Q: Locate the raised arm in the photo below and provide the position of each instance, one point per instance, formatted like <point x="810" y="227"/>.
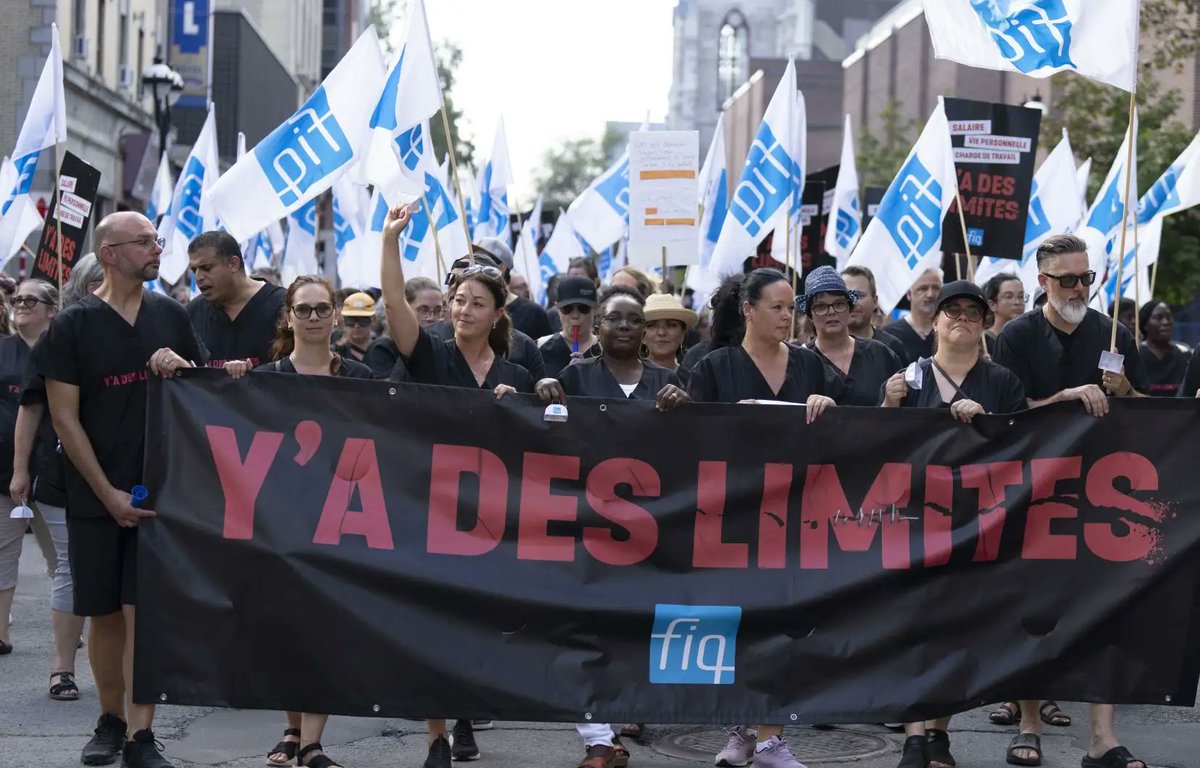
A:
<point x="402" y="320"/>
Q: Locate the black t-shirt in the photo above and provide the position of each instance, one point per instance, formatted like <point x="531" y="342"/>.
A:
<point x="729" y="375"/>
<point x="522" y="350"/>
<point x="437" y="361"/>
<point x="529" y="318"/>
<point x="247" y="336"/>
<point x="1191" y="376"/>
<point x="993" y="386"/>
<point x="1165" y="375"/>
<point x="92" y="347"/>
<point x="592" y="378"/>
<point x="349" y="369"/>
<point x="555" y="320"/>
<point x="384" y="360"/>
<point x="46" y="464"/>
<point x="14" y="356"/>
<point x="1047" y="361"/>
<point x="914" y="346"/>
<point x="870" y="368"/>
<point x="556" y="353"/>
<point x="351" y="352"/>
<point x="892" y="343"/>
<point x="695" y="354"/>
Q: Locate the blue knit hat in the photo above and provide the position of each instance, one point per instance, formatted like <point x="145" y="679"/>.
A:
<point x="824" y="280"/>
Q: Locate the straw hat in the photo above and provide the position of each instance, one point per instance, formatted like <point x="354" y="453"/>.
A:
<point x="665" y="306"/>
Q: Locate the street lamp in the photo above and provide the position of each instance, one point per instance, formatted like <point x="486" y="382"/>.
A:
<point x="1036" y="103"/>
<point x="165" y="86"/>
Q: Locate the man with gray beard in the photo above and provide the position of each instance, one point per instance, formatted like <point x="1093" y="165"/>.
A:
<point x="1055" y="350"/>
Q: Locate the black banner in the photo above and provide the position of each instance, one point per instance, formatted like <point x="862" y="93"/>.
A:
<point x="871" y="199"/>
<point x="995" y="146"/>
<point x="355" y="547"/>
<point x="78" y="184"/>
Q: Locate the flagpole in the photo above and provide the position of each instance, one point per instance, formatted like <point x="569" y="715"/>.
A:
<point x="437" y="246"/>
<point x="962" y="221"/>
<point x="1137" y="286"/>
<point x="454" y="172"/>
<point x="787" y="257"/>
<point x="1131" y="140"/>
<point x="1153" y="277"/>
<point x="58" y="217"/>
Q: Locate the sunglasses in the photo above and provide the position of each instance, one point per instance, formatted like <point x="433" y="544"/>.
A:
<point x="324" y="310"/>
<point x="466" y="268"/>
<point x="955" y="312"/>
<point x="27" y="302"/>
<point x="354" y="322"/>
<point x="571" y="309"/>
<point x="1070" y="281"/>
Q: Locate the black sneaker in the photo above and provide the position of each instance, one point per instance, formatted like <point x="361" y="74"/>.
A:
<point x="463" y="747"/>
<point x="142" y="751"/>
<point x="439" y="754"/>
<point x="915" y="754"/>
<point x="106" y="743"/>
<point x="482" y="725"/>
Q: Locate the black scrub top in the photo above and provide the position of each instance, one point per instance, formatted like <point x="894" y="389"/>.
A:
<point x="556" y="353"/>
<point x="915" y="347"/>
<point x="46" y="464"/>
<point x="246" y="337"/>
<point x="1191" y="376"/>
<point x="592" y="378"/>
<point x="993" y="386"/>
<point x="1047" y="361"/>
<point x="522" y="350"/>
<point x="870" y="368"/>
<point x="729" y="375"/>
<point x="349" y="369"/>
<point x="435" y="361"/>
<point x="14" y="358"/>
<point x="1165" y="375"/>
<point x="384" y="360"/>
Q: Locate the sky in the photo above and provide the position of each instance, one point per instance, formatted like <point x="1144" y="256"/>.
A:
<point x="555" y="69"/>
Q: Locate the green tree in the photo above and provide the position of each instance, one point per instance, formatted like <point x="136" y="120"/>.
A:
<point x="382" y="14"/>
<point x="879" y="159"/>
<point x="567" y="169"/>
<point x="1097" y="117"/>
<point x="449" y="57"/>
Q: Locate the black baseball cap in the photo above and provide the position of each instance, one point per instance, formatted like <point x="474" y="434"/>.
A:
<point x="576" y="289"/>
<point x="961" y="289"/>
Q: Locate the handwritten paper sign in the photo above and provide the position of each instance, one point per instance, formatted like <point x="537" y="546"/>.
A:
<point x="663" y="198"/>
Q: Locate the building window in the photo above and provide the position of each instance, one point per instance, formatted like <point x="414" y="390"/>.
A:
<point x="101" y="13"/>
<point x="79" y="25"/>
<point x="733" y="56"/>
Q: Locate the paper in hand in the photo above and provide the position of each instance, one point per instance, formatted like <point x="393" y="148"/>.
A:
<point x="1112" y="362"/>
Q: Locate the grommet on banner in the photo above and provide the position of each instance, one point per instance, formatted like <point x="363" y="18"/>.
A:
<point x="1011" y="422"/>
<point x="793" y="717"/>
<point x="603" y="407"/>
<point x="392" y="391"/>
<point x="162" y="697"/>
<point x="1167" y="698"/>
<point x="374" y="707"/>
<point x="588" y="715"/>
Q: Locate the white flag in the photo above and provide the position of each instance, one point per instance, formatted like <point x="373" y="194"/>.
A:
<point x="1082" y="177"/>
<point x="845" y="218"/>
<point x="300" y="251"/>
<point x="191" y="209"/>
<point x="1102" y="226"/>
<point x="492" y="216"/>
<point x="564" y="244"/>
<point x="905" y="237"/>
<point x="714" y="194"/>
<point x="160" y="195"/>
<point x="1095" y="38"/>
<point x="25" y="217"/>
<point x="45" y="126"/>
<point x="763" y="198"/>
<point x="525" y="260"/>
<point x="1054" y="208"/>
<point x="1177" y="189"/>
<point x="600" y="215"/>
<point x="799" y="148"/>
<point x="349" y="224"/>
<point x="300" y="159"/>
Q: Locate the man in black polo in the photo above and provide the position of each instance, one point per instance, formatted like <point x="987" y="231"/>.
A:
<point x="1055" y="352"/>
<point x="99" y="353"/>
<point x="234" y="315"/>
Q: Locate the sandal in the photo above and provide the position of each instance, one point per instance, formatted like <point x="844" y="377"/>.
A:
<point x="938" y="744"/>
<point x="1052" y="715"/>
<point x="620" y="755"/>
<point x="1008" y="713"/>
<point x="1029" y="742"/>
<point x="285" y="748"/>
<point x="1117" y="757"/>
<point x="65" y="689"/>
<point x="632" y="730"/>
<point x="317" y="761"/>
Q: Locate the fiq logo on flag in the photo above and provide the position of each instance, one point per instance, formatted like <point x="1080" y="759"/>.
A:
<point x="1031" y="38"/>
<point x="694" y="644"/>
<point x="765" y="184"/>
<point x="912" y="211"/>
<point x="304" y="150"/>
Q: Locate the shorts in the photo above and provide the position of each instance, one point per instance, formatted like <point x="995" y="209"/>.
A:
<point x="103" y="563"/>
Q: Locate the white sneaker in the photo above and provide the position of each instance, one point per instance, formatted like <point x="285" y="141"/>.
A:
<point x="739" y="750"/>
<point x="776" y="755"/>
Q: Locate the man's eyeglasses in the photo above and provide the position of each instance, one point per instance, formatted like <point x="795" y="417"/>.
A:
<point x="28" y="302"/>
<point x="1070" y="281"/>
<point x="144" y="242"/>
<point x="837" y="307"/>
<point x="352" y="322"/>
<point x="973" y="314"/>
<point x="303" y="311"/>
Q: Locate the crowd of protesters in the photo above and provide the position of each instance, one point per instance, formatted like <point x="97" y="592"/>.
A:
<point x="74" y="408"/>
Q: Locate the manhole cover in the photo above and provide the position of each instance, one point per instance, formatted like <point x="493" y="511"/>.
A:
<point x="807" y="744"/>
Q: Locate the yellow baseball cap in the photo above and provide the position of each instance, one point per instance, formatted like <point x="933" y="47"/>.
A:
<point x="358" y="305"/>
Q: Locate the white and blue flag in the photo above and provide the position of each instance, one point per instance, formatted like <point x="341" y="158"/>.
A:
<point x="349" y="223"/>
<point x="191" y="211"/>
<point x="1083" y="176"/>
<point x="713" y="185"/>
<point x="1177" y="189"/>
<point x="765" y="196"/>
<point x="160" y="195"/>
<point x="905" y="237"/>
<point x="301" y="158"/>
<point x="525" y="259"/>
<point x="845" y="217"/>
<point x="1094" y="38"/>
<point x="495" y="178"/>
<point x="1103" y="224"/>
<point x="45" y="126"/>
<point x="781" y="244"/>
<point x="564" y="244"/>
<point x="1054" y="209"/>
<point x="601" y="213"/>
<point x="300" y="250"/>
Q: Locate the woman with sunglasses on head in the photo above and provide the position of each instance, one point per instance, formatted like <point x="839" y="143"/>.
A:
<point x="576" y="307"/>
<point x="863" y="365"/>
<point x="961" y="380"/>
<point x="302" y="346"/>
